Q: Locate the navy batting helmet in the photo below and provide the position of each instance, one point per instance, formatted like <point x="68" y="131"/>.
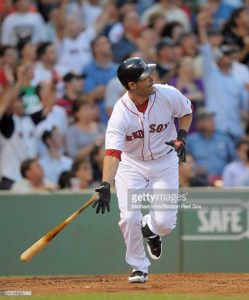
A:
<point x="134" y="69"/>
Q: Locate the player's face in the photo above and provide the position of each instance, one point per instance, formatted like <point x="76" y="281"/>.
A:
<point x="145" y="87"/>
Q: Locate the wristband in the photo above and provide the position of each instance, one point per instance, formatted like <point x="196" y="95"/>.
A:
<point x="182" y="135"/>
<point x="106" y="184"/>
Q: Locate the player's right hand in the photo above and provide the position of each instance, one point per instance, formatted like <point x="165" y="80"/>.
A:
<point x="103" y="202"/>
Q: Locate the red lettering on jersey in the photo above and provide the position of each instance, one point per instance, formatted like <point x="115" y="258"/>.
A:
<point x="159" y="128"/>
<point x="152" y="128"/>
<point x="139" y="134"/>
<point x="129" y="138"/>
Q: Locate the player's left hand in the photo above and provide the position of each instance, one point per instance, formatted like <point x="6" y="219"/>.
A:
<point x="104" y="198"/>
<point x="179" y="145"/>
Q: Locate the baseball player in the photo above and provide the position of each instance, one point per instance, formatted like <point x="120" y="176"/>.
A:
<point x="140" y="139"/>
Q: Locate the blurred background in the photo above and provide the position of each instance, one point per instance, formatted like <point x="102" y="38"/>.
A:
<point x="58" y="86"/>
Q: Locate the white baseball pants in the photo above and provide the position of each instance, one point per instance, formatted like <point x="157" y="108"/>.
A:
<point x="154" y="174"/>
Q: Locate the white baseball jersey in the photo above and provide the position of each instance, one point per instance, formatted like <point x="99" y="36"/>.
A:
<point x="142" y="136"/>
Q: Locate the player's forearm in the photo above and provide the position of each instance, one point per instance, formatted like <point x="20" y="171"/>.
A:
<point x="185" y="122"/>
<point x="110" y="168"/>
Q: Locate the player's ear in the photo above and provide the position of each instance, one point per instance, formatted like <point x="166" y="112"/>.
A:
<point x="132" y="85"/>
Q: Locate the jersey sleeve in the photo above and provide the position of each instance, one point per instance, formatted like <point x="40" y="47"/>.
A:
<point x="115" y="133"/>
<point x="180" y="104"/>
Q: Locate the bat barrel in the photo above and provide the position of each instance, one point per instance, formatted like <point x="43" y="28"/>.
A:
<point x="38" y="246"/>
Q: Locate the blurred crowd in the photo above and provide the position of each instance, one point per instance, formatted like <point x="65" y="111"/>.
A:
<point x="58" y="85"/>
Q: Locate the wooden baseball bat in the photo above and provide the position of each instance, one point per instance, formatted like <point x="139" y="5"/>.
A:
<point x="38" y="246"/>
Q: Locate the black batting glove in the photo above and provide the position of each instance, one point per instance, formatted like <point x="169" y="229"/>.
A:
<point x="179" y="144"/>
<point x="103" y="202"/>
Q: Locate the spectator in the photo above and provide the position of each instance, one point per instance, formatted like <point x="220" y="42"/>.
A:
<point x="53" y="162"/>
<point x="189" y="175"/>
<point x="147" y="42"/>
<point x="55" y="114"/>
<point x="74" y="85"/>
<point x="10" y="93"/>
<point x="116" y="30"/>
<point x="234" y="3"/>
<point x="23" y="24"/>
<point x="240" y="71"/>
<point x="171" y="13"/>
<point x="46" y="67"/>
<point x="28" y="94"/>
<point x="5" y="8"/>
<point x="65" y="180"/>
<point x="45" y="6"/>
<point x="243" y="180"/>
<point x="246" y="4"/>
<point x="229" y="99"/>
<point x="188" y="43"/>
<point x="173" y="30"/>
<point x="236" y="170"/>
<point x="9" y="58"/>
<point x="185" y="6"/>
<point x="27" y="51"/>
<point x="86" y="132"/>
<point x="127" y="43"/>
<point x="113" y="92"/>
<point x="91" y="11"/>
<point x="215" y="39"/>
<point x="19" y="140"/>
<point x="141" y="5"/>
<point x="54" y="16"/>
<point x="99" y="72"/>
<point x="75" y="46"/>
<point x="211" y="149"/>
<point x="190" y="86"/>
<point x="81" y="174"/>
<point x="157" y="22"/>
<point x="236" y="30"/>
<point x="166" y="63"/>
<point x="96" y="158"/>
<point x="33" y="178"/>
<point x="220" y="11"/>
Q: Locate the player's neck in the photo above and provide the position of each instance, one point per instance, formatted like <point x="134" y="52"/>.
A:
<point x="137" y="99"/>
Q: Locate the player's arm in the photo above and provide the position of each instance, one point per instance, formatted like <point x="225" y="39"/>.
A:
<point x="181" y="109"/>
<point x="185" y="122"/>
<point x="110" y="168"/>
<point x="114" y="142"/>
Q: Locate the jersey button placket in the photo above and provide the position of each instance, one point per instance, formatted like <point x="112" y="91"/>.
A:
<point x="146" y="136"/>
